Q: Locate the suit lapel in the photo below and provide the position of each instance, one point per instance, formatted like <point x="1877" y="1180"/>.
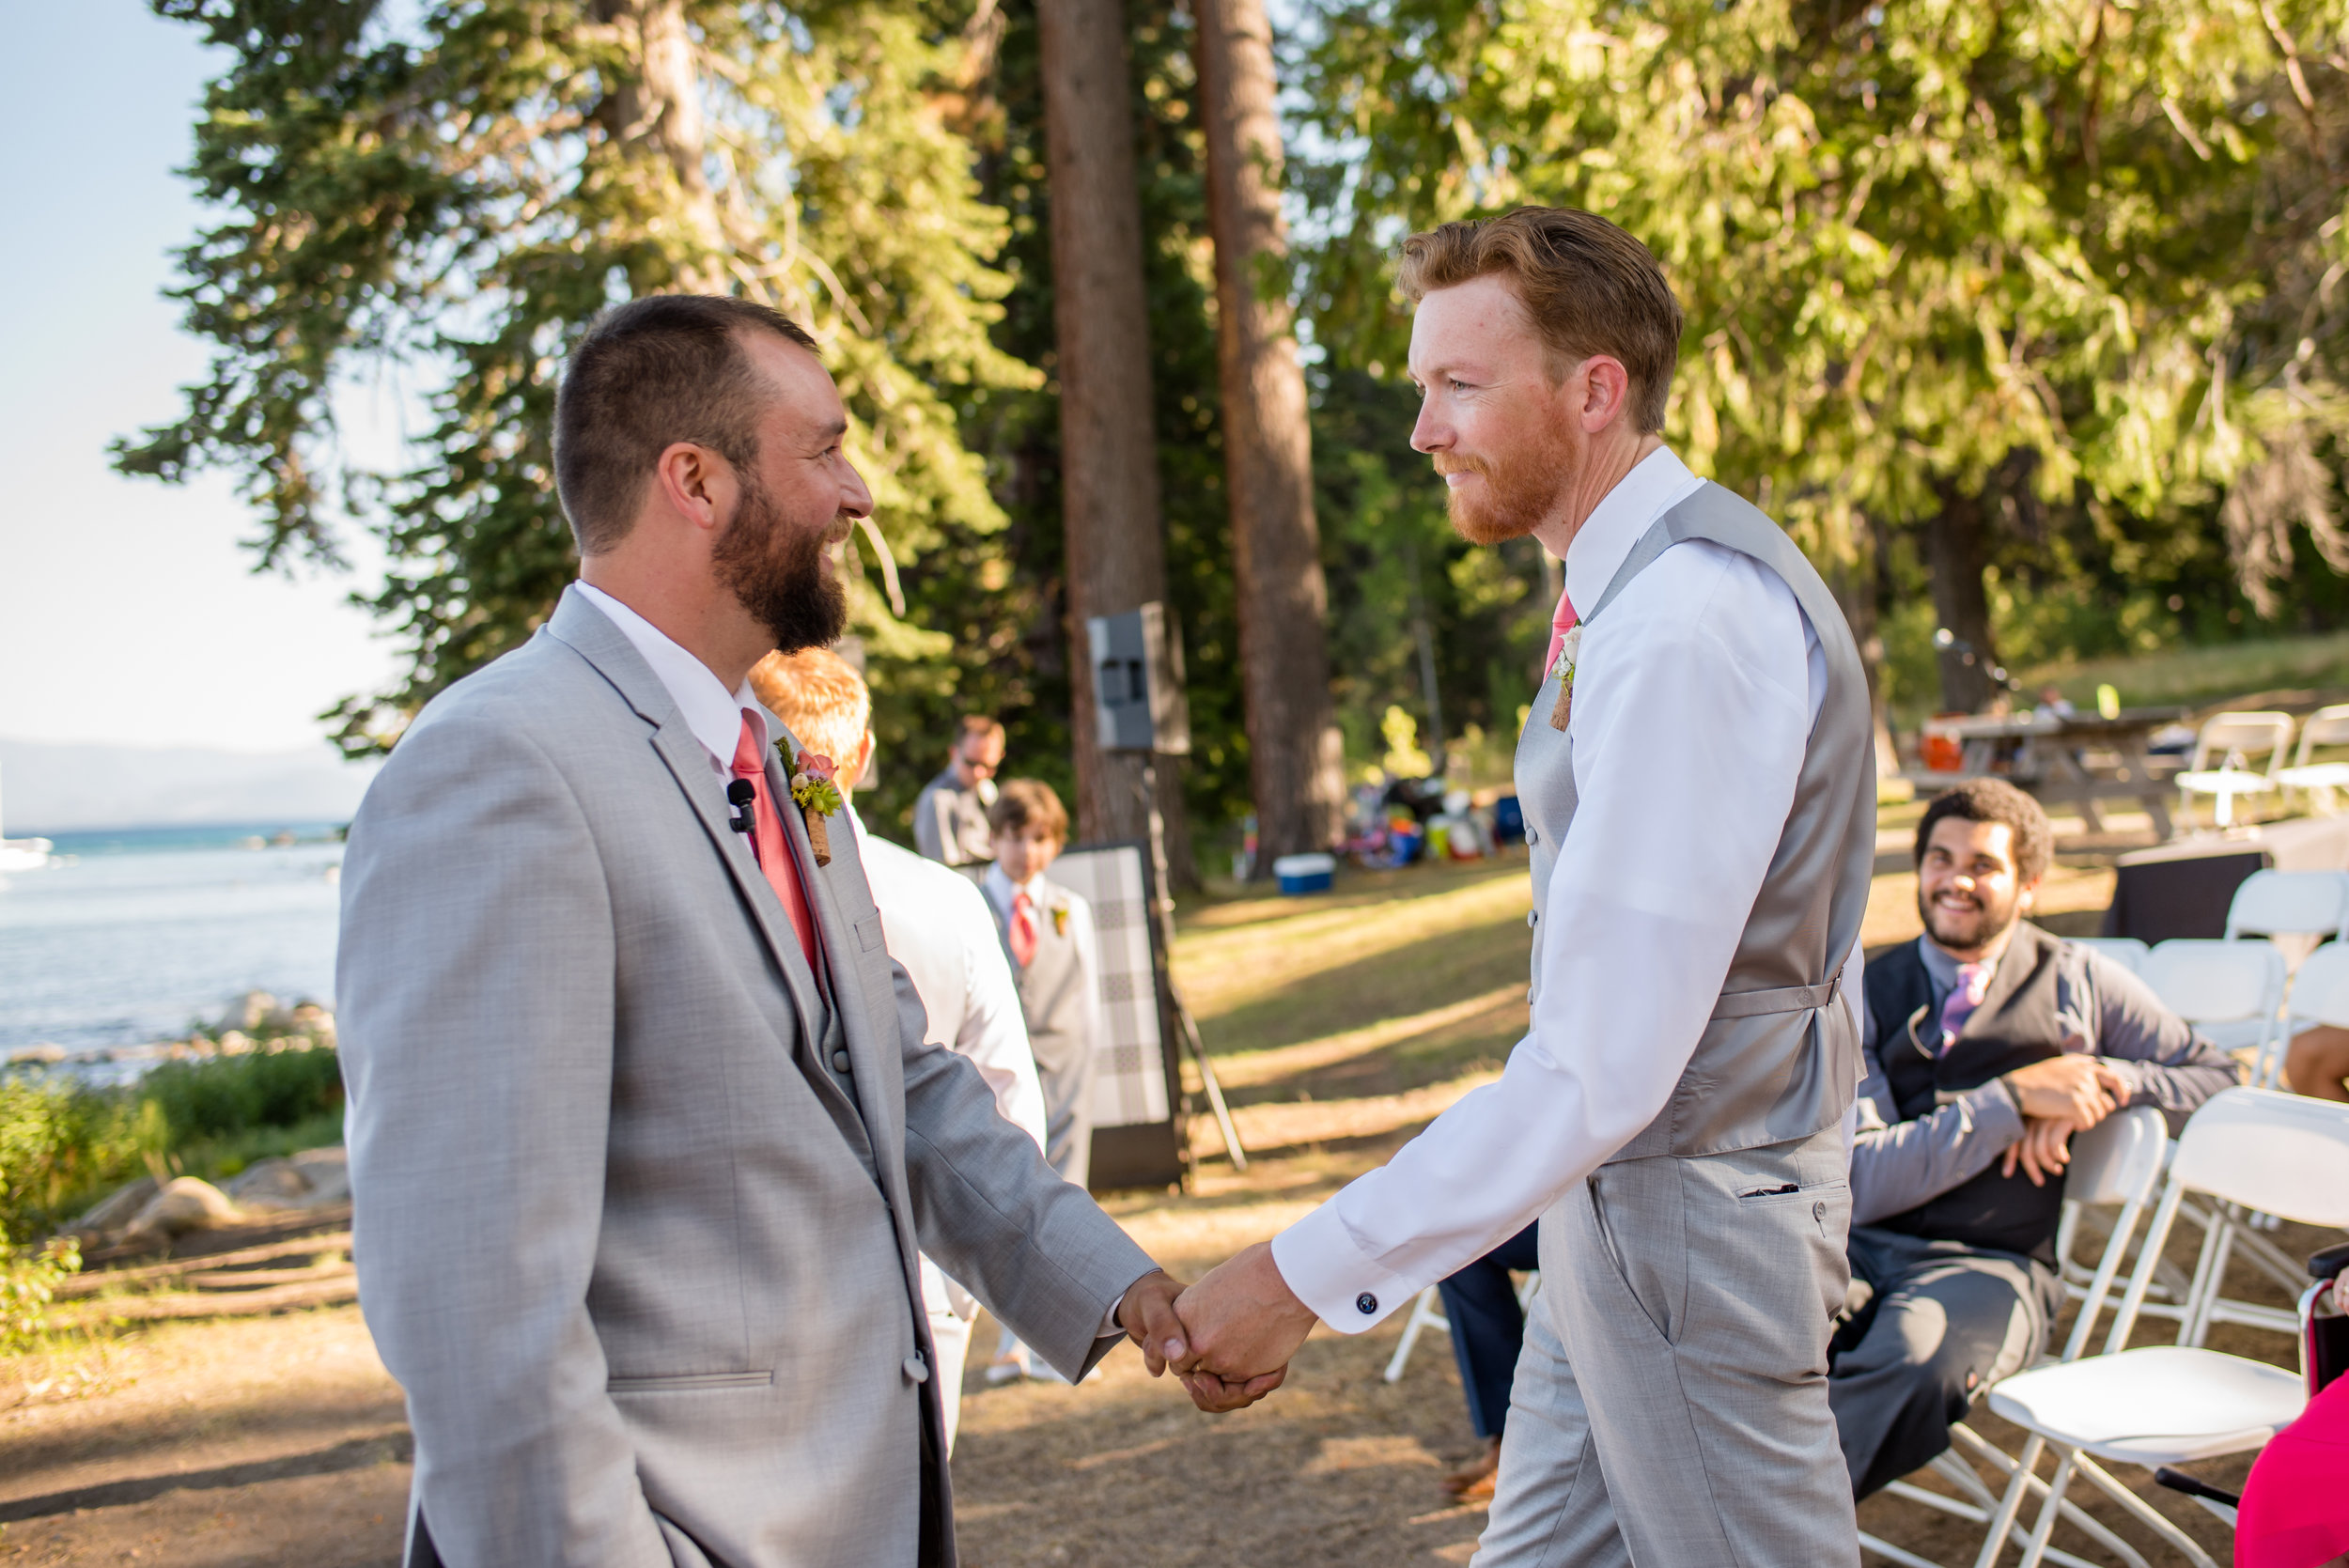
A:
<point x="588" y="631"/>
<point x="843" y="955"/>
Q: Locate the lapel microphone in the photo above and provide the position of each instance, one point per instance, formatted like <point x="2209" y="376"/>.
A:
<point x="740" y="793"/>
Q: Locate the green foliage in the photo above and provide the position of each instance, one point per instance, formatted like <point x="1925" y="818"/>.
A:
<point x="232" y="1095"/>
<point x="60" y="1143"/>
<point x="63" y="1144"/>
<point x="455" y="194"/>
<point x="28" y="1283"/>
<point x="2071" y="256"/>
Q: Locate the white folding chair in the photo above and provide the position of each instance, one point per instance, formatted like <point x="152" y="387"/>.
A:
<point x="2231" y="992"/>
<point x="1427" y="1312"/>
<point x="2291" y="904"/>
<point x="2326" y="726"/>
<point x="2233" y="739"/>
<point x="2116" y="1162"/>
<point x="2173" y="1404"/>
<point x="2126" y="951"/>
<point x="2320" y="999"/>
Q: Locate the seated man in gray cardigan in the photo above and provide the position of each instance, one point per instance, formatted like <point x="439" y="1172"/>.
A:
<point x="1988" y="1042"/>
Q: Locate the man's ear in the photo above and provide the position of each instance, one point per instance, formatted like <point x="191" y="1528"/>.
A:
<point x="2027" y="896"/>
<point x="1606" y="389"/>
<point x="853" y="771"/>
<point x="694" y="481"/>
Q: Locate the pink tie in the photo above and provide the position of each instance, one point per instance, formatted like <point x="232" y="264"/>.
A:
<point x="1974" y="983"/>
<point x="769" y="843"/>
<point x="1023" y="929"/>
<point x="1560" y="624"/>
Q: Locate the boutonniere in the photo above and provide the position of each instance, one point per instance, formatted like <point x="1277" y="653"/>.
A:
<point x="1059" y="919"/>
<point x="1568" y="646"/>
<point x="818" y="795"/>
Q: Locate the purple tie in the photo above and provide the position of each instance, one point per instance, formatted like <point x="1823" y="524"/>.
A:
<point x="1973" y="983"/>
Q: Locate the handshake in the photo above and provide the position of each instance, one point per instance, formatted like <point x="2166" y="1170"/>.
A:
<point x="1228" y="1338"/>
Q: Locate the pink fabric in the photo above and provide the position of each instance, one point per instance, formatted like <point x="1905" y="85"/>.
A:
<point x="1974" y="983"/>
<point x="770" y="843"/>
<point x="1023" y="929"/>
<point x="2295" y="1505"/>
<point x="1560" y="624"/>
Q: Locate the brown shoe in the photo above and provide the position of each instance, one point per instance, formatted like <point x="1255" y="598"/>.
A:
<point x="1474" y="1483"/>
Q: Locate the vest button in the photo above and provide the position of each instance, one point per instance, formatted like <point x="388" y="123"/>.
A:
<point x="1532" y="837"/>
<point x="1366" y="1304"/>
<point x="915" y="1370"/>
<point x="1533" y="917"/>
<point x="840" y="1062"/>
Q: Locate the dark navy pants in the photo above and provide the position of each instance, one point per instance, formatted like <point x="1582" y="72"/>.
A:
<point x="1487" y="1330"/>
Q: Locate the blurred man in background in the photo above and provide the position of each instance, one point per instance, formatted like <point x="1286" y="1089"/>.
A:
<point x="936" y="924"/>
<point x="950" y="817"/>
<point x="1988" y="1043"/>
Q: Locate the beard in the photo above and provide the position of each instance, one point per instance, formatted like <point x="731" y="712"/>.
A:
<point x="1964" y="930"/>
<point x="1517" y="494"/>
<point x="777" y="573"/>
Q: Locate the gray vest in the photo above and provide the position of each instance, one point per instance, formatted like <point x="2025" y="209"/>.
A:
<point x="1051" y="992"/>
<point x="1777" y="1060"/>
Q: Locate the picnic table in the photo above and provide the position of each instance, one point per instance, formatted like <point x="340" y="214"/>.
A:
<point x="2074" y="760"/>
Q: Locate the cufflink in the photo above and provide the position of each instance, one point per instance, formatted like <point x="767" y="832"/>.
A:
<point x="1366" y="1304"/>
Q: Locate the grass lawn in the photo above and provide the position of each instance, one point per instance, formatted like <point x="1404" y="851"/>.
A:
<point x="2294" y="671"/>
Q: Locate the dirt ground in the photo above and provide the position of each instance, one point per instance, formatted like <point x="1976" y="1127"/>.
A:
<point x="278" y="1442"/>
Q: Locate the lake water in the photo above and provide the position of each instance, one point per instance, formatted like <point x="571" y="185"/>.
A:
<point x="147" y="931"/>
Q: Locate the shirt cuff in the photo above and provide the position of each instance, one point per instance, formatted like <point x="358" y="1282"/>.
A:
<point x="1111" y="1328"/>
<point x="1320" y="1262"/>
<point x="2132" y="1077"/>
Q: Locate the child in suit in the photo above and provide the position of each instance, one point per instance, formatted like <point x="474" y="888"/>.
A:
<point x="1048" y="934"/>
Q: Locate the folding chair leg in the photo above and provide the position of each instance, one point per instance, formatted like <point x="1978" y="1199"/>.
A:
<point x="1890" y="1553"/>
<point x="2048" y="1510"/>
<point x="2019" y="1483"/>
<point x="1426" y="1312"/>
<point x="2146" y="1513"/>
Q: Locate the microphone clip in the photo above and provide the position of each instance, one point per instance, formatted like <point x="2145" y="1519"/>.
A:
<point x="740" y="793"/>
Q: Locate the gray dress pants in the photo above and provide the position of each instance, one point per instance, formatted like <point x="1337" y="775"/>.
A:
<point x="1671" y="1406"/>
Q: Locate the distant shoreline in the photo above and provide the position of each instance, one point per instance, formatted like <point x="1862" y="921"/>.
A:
<point x="181" y="835"/>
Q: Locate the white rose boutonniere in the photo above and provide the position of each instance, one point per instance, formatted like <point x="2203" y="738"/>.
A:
<point x="1568" y="648"/>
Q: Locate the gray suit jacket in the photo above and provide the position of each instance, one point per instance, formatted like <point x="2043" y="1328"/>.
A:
<point x="645" y="1269"/>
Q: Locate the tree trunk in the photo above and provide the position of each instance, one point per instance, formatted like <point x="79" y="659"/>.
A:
<point x="1957" y="551"/>
<point x="1295" y="760"/>
<point x="1859" y="583"/>
<point x="1115" y="539"/>
<point x="661" y="112"/>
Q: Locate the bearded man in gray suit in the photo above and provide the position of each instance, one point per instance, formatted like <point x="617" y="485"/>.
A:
<point x="645" y="1141"/>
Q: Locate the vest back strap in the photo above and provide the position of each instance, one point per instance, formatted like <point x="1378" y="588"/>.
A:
<point x="1786" y="998"/>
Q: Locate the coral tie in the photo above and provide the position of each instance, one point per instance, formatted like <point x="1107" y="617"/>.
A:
<point x="1974" y="983"/>
<point x="1560" y="624"/>
<point x="1023" y="930"/>
<point x="769" y="843"/>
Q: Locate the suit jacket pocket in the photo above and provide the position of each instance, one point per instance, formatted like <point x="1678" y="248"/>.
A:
<point x="688" y="1382"/>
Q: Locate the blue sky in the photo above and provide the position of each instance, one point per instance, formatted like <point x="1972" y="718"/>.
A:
<point x="129" y="612"/>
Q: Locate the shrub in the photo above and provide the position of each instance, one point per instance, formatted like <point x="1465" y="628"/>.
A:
<point x="28" y="1283"/>
<point x="230" y="1095"/>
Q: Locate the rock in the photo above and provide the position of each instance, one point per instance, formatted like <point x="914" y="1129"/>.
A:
<point x="328" y="1171"/>
<point x="43" y="1055"/>
<point x="185" y="1204"/>
<point x="115" y="1211"/>
<point x="272" y="1183"/>
<point x="250" y="1011"/>
<point x="235" y="1042"/>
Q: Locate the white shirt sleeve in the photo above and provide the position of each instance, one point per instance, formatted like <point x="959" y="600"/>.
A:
<point x="1692" y="707"/>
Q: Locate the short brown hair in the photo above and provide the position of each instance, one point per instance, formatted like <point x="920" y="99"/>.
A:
<point x="825" y="702"/>
<point x="1995" y="801"/>
<point x="650" y="373"/>
<point x="1590" y="288"/>
<point x="978" y="727"/>
<point x="1028" y="806"/>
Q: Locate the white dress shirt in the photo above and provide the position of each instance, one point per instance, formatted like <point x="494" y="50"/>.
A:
<point x="1694" y="696"/>
<point x="715" y="719"/>
<point x="935" y="922"/>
